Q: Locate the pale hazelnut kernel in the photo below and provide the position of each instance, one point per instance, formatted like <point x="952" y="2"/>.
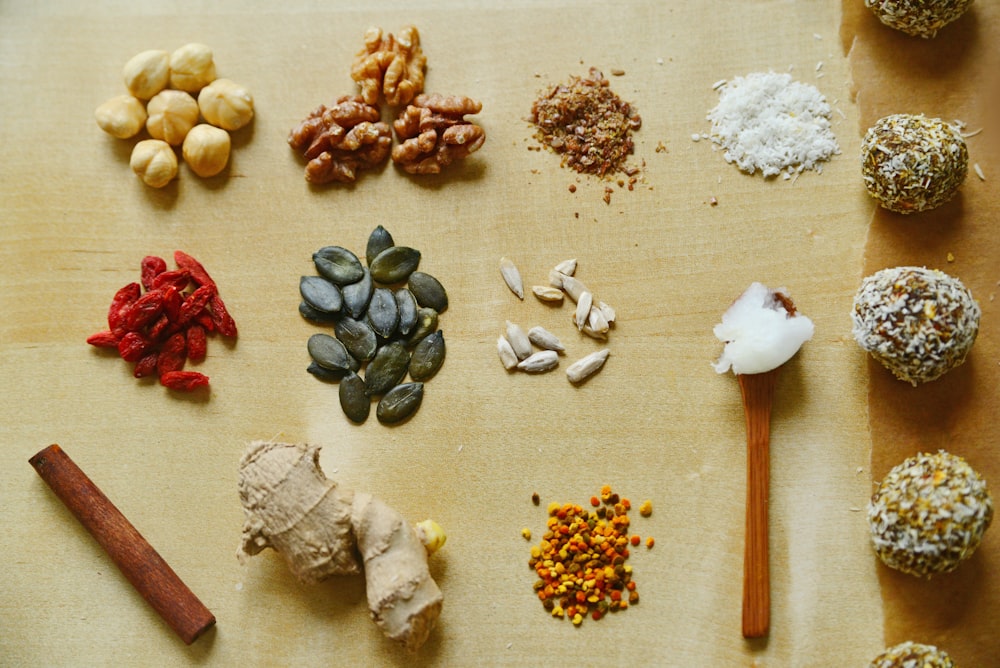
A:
<point x="154" y="161"/>
<point x="172" y="114"/>
<point x="191" y="67"/>
<point x="206" y="150"/>
<point x="226" y="104"/>
<point x="122" y="116"/>
<point x="147" y="73"/>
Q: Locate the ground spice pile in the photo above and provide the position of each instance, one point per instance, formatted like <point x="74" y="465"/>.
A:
<point x="588" y="124"/>
<point x="580" y="560"/>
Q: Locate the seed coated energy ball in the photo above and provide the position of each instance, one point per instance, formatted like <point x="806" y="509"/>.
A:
<point x="917" y="322"/>
<point x="911" y="163"/>
<point x="919" y="18"/>
<point x="912" y="655"/>
<point x="929" y="514"/>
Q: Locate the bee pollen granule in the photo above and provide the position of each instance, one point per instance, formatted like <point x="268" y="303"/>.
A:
<point x="919" y="18"/>
<point x="912" y="654"/>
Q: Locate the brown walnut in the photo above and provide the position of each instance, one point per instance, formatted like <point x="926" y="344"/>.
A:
<point x="433" y="133"/>
<point x="340" y="140"/>
<point x="390" y="65"/>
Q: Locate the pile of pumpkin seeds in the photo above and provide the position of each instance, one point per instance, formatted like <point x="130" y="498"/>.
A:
<point x="384" y="315"/>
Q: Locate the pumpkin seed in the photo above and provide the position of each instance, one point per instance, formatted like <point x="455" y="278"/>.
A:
<point x="400" y="403"/>
<point x="378" y="241"/>
<point x="383" y="314"/>
<point x="358" y="294"/>
<point x="427" y="357"/>
<point x="507" y="355"/>
<point x="519" y="341"/>
<point x="427" y="323"/>
<point x="321" y="294"/>
<point x="328" y="352"/>
<point x="325" y="374"/>
<point x="319" y="317"/>
<point x="386" y="369"/>
<point x="428" y="291"/>
<point x="407" y="306"/>
<point x="357" y="336"/>
<point x="338" y="264"/>
<point x="512" y="277"/>
<point x="395" y="264"/>
<point x="353" y="400"/>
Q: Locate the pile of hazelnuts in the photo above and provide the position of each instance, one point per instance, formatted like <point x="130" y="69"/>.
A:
<point x="178" y="100"/>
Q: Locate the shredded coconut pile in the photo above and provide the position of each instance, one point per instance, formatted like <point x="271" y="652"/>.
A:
<point x="768" y="122"/>
<point x="761" y="331"/>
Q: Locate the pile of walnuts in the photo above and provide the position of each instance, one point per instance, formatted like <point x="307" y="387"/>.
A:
<point x="341" y="140"/>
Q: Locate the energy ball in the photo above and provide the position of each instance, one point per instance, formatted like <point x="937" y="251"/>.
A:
<point x="919" y="18"/>
<point x="918" y="323"/>
<point x="911" y="163"/>
<point x="929" y="514"/>
<point x="911" y="654"/>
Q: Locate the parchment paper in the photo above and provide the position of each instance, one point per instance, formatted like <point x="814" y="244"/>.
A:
<point x="952" y="76"/>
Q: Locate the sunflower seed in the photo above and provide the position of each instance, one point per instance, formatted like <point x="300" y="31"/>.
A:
<point x="428" y="291"/>
<point x="328" y="352"/>
<point x="573" y="287"/>
<point x="407" y="306"/>
<point x="543" y="338"/>
<point x="427" y="357"/>
<point x="586" y="366"/>
<point x="319" y="317"/>
<point x="353" y="400"/>
<point x="394" y="264"/>
<point x="596" y="320"/>
<point x="518" y="340"/>
<point x="567" y="267"/>
<point x="386" y="369"/>
<point x="321" y="294"/>
<point x="357" y="336"/>
<point x="378" y="241"/>
<point x="383" y="315"/>
<point x="326" y="374"/>
<point x="594" y="334"/>
<point x="609" y="313"/>
<point x="427" y="323"/>
<point x="548" y="294"/>
<point x="512" y="277"/>
<point x="400" y="403"/>
<point x="583" y="304"/>
<point x="338" y="264"/>
<point x="358" y="294"/>
<point x="543" y="360"/>
<point x="556" y="279"/>
<point x="507" y="356"/>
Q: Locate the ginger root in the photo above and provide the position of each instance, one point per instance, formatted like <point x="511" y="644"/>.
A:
<point x="323" y="530"/>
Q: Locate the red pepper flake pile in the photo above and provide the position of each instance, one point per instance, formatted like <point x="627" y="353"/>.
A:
<point x="580" y="561"/>
<point x="160" y="329"/>
<point x="588" y="124"/>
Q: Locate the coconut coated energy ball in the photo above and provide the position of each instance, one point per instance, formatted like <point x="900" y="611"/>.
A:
<point x="917" y="322"/>
<point x="929" y="514"/>
<point x="919" y="18"/>
<point x="912" y="655"/>
<point x="911" y="163"/>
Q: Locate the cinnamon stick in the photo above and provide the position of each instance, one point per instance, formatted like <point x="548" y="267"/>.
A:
<point x="138" y="561"/>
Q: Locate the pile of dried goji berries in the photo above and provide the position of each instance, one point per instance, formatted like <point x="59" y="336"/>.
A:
<point x="160" y="329"/>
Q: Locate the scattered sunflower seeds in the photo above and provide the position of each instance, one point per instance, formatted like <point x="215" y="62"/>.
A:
<point x="507" y="355"/>
<point x="540" y="362"/>
<point x="566" y="267"/>
<point x="587" y="366"/>
<point x="583" y="305"/>
<point x="545" y="339"/>
<point x="512" y="277"/>
<point x="519" y="341"/>
<point x="547" y="293"/>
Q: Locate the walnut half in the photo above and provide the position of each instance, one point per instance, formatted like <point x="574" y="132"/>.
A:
<point x="433" y="133"/>
<point x="340" y="140"/>
<point x="390" y="65"/>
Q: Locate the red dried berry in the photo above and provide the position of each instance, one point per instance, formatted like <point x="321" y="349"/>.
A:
<point x="173" y="299"/>
<point x="197" y="342"/>
<point x="172" y="354"/>
<point x="106" y="339"/>
<point x="151" y="267"/>
<point x="221" y="318"/>
<point x="133" y="346"/>
<point x="198" y="273"/>
<point x="123" y="299"/>
<point x="146" y="366"/>
<point x="185" y="381"/>
<point x="179" y="278"/>
<point x="195" y="303"/>
<point x="145" y="310"/>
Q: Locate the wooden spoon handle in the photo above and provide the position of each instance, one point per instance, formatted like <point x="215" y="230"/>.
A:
<point x="758" y="395"/>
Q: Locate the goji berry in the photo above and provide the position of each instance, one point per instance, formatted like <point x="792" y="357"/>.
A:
<point x="179" y="278"/>
<point x="172" y="354"/>
<point x="133" y="346"/>
<point x="195" y="303"/>
<point x="198" y="273"/>
<point x="151" y="267"/>
<point x="205" y="320"/>
<point x="106" y="339"/>
<point x="220" y="316"/>
<point x="143" y="311"/>
<point x="123" y="299"/>
<point x="197" y="342"/>
<point x="161" y="329"/>
<point x="146" y="366"/>
<point x="172" y="301"/>
<point x="186" y="381"/>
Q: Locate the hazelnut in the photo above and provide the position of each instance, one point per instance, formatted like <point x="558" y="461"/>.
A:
<point x="147" y="73"/>
<point x="191" y="68"/>
<point x="226" y="104"/>
<point x="172" y="113"/>
<point x="154" y="161"/>
<point x="122" y="116"/>
<point x="206" y="150"/>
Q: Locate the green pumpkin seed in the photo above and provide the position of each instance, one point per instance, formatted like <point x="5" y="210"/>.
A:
<point x="357" y="295"/>
<point x="400" y="403"/>
<point x="427" y="323"/>
<point x="338" y="264"/>
<point x="386" y="369"/>
<point x="319" y="317"/>
<point x="394" y="264"/>
<point x="383" y="314"/>
<point x="407" y="306"/>
<point x="378" y="241"/>
<point x="326" y="374"/>
<point x="353" y="400"/>
<point x="427" y="357"/>
<point x="321" y="294"/>
<point x="357" y="336"/>
<point x="328" y="352"/>
<point x="428" y="291"/>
